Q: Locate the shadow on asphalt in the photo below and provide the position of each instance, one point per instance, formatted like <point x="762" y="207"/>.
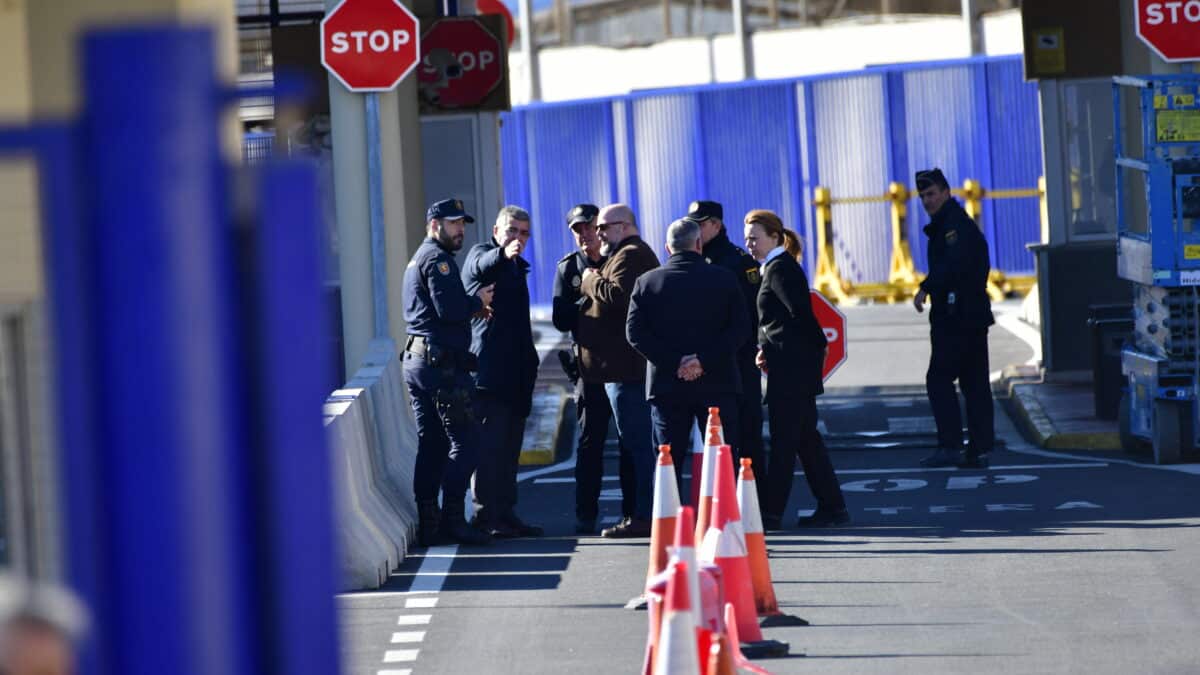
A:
<point x="507" y="565"/>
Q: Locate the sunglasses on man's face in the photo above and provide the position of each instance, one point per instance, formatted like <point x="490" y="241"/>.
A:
<point x="604" y="226"/>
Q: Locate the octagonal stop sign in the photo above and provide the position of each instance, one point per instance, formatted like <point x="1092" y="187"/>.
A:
<point x="370" y="45"/>
<point x="460" y="62"/>
<point x="1171" y="29"/>
<point x="833" y="322"/>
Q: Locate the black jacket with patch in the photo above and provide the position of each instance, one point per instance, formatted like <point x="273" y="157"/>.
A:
<point x="959" y="265"/>
<point x="723" y="253"/>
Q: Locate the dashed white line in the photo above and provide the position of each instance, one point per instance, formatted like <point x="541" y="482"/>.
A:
<point x="994" y="467"/>
<point x="412" y="636"/>
<point x="400" y="655"/>
<point x="414" y="620"/>
<point x="406" y="671"/>
<point x="420" y="603"/>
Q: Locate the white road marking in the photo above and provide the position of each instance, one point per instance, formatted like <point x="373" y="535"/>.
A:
<point x="804" y="513"/>
<point x="904" y="403"/>
<point x="909" y="424"/>
<point x="1025" y="449"/>
<point x="400" y="655"/>
<point x="406" y="671"/>
<point x="609" y="520"/>
<point x="432" y="573"/>
<point x="944" y="469"/>
<point x="413" y="636"/>
<point x="414" y="620"/>
<point x="420" y="603"/>
<point x="945" y="509"/>
<point x="900" y="485"/>
<point x="881" y="445"/>
<point x="972" y="482"/>
<point x="888" y="510"/>
<point x="871" y="434"/>
<point x="1077" y="505"/>
<point x="1009" y="507"/>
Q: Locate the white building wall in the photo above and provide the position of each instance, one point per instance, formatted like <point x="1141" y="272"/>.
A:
<point x="590" y="72"/>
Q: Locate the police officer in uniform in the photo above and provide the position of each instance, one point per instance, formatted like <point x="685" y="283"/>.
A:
<point x="961" y="312"/>
<point x="719" y="251"/>
<point x="592" y="410"/>
<point x="437" y="365"/>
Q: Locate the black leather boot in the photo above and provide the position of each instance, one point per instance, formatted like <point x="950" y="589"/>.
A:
<point x="428" y="516"/>
<point x="456" y="528"/>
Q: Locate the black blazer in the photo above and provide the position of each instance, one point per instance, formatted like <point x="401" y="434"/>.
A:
<point x="792" y="341"/>
<point x="688" y="306"/>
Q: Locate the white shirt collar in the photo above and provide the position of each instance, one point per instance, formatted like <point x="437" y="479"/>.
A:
<point x="771" y="255"/>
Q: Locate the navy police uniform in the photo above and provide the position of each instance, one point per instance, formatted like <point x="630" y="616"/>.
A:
<point x="959" y="318"/>
<point x="723" y="253"/>
<point x="593" y="413"/>
<point x="437" y="365"/>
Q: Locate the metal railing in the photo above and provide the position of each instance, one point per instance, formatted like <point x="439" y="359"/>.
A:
<point x="903" y="279"/>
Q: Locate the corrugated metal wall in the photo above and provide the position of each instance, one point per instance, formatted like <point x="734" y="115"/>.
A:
<point x="767" y="144"/>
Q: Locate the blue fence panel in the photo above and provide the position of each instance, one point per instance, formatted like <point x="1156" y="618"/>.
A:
<point x="1014" y="126"/>
<point x="768" y="144"/>
<point x="569" y="161"/>
<point x="852" y="153"/>
<point x="258" y="145"/>
<point x="941" y="132"/>
<point x="749" y="153"/>
<point x="665" y="132"/>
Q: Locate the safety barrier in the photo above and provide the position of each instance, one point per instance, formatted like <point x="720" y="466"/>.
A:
<point x="903" y="278"/>
<point x="373" y="441"/>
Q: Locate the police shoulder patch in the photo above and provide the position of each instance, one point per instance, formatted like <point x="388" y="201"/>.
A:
<point x="952" y="237"/>
<point x="575" y="282"/>
<point x="753" y="275"/>
<point x="444" y="267"/>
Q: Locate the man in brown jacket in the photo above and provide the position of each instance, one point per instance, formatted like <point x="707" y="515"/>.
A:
<point x="606" y="356"/>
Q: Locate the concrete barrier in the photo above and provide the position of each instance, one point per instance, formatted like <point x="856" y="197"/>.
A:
<point x="373" y="439"/>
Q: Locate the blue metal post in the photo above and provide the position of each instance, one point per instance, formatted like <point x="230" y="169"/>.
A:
<point x="375" y="204"/>
<point x="296" y="499"/>
<point x="167" y="444"/>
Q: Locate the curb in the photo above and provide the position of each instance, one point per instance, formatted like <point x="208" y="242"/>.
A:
<point x="543" y="427"/>
<point x="1031" y="417"/>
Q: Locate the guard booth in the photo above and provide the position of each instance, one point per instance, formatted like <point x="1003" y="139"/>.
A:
<point x="1162" y="260"/>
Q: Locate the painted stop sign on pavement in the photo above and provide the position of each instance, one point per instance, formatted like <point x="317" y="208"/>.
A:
<point x="460" y="62"/>
<point x="370" y="45"/>
<point x="1171" y="29"/>
<point x="833" y="322"/>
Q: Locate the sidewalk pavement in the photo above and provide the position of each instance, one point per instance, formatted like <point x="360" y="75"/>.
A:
<point x="1056" y="410"/>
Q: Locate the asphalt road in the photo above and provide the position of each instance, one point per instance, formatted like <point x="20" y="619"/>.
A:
<point x="1046" y="562"/>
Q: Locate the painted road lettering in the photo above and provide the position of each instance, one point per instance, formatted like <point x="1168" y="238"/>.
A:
<point x="972" y="482"/>
<point x="990" y="508"/>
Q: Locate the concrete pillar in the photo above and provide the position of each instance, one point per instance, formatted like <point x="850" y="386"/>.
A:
<point x="529" y="50"/>
<point x="740" y="36"/>
<point x="403" y="210"/>
<point x="973" y="24"/>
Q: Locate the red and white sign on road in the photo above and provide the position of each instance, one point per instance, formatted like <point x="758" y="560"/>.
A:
<point x="460" y="62"/>
<point x="1171" y="29"/>
<point x="370" y="45"/>
<point x="833" y="322"/>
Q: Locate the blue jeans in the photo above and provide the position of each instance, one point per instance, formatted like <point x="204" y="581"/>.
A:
<point x="632" y="412"/>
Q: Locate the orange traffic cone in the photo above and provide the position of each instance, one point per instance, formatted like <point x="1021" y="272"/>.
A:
<point x="725" y="545"/>
<point x="676" y="653"/>
<point x="756" y="550"/>
<point x="685" y="552"/>
<point x="666" y="508"/>
<point x="666" y="504"/>
<point x="740" y="662"/>
<point x="714" y="420"/>
<point x="705" y="495"/>
<point x="720" y="658"/>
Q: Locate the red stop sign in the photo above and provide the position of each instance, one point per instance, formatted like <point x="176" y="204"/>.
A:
<point x="460" y="62"/>
<point x="833" y="322"/>
<point x="1171" y="28"/>
<point x="370" y="45"/>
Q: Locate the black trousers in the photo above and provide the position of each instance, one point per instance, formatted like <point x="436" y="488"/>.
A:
<point x="673" y="416"/>
<point x="502" y="431"/>
<point x="447" y="431"/>
<point x="794" y="433"/>
<point x="960" y="353"/>
<point x="593" y="414"/>
<point x="750" y="417"/>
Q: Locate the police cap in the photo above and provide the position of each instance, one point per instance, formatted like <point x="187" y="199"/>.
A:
<point x="582" y="213"/>
<point x="448" y="209"/>
<point x="703" y="210"/>
<point x="930" y="177"/>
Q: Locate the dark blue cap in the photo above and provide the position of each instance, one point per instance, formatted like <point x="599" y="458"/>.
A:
<point x="450" y="209"/>
<point x="932" y="176"/>
<point x="702" y="210"/>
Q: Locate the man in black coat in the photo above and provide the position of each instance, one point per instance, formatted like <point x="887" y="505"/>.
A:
<point x="689" y="320"/>
<point x="508" y="363"/>
<point x="719" y="251"/>
<point x="592" y="410"/>
<point x="959" y="318"/>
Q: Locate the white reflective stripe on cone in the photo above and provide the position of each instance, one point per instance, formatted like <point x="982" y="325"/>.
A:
<point x="748" y="504"/>
<point x="666" y="493"/>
